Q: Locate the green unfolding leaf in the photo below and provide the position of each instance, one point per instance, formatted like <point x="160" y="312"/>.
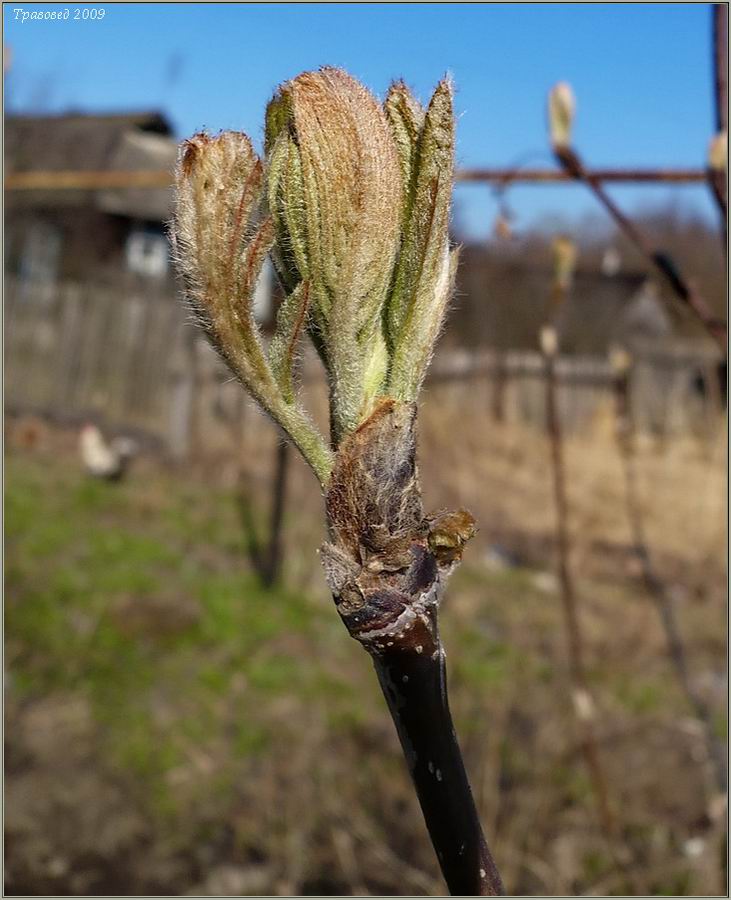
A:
<point x="421" y="262"/>
<point x="283" y="255"/>
<point x="277" y="116"/>
<point x="406" y="118"/>
<point x="414" y="353"/>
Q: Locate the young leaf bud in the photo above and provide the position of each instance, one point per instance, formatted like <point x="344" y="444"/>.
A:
<point x="425" y="272"/>
<point x="335" y="194"/>
<point x="220" y="244"/>
<point x="358" y="199"/>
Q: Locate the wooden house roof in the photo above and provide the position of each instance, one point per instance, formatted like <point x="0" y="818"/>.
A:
<point x="92" y="143"/>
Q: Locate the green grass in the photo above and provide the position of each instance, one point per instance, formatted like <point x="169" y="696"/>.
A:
<point x="82" y="554"/>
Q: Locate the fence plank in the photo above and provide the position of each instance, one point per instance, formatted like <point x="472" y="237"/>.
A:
<point x="135" y="360"/>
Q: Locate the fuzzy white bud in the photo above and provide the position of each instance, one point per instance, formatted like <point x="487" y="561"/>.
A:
<point x="561" y="111"/>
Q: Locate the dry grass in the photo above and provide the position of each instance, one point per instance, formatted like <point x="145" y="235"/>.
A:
<point x="502" y="473"/>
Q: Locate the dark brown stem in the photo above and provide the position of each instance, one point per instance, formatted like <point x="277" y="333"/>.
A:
<point x="654" y="585"/>
<point x="583" y="702"/>
<point x="386" y="565"/>
<point x="415" y="688"/>
<point x="664" y="264"/>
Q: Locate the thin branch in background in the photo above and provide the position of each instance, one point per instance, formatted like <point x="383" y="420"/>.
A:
<point x="621" y="363"/>
<point x="583" y="702"/>
<point x="265" y="553"/>
<point x="561" y="108"/>
<point x="714" y="404"/>
<point x="276" y="521"/>
<point x="263" y="550"/>
<point x="499" y="387"/>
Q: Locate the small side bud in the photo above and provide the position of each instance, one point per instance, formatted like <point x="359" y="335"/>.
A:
<point x="564" y="262"/>
<point x="448" y="534"/>
<point x="718" y="152"/>
<point x="561" y="110"/>
<point x="583" y="705"/>
<point x="620" y="361"/>
<point x="502" y="228"/>
<point x="549" y="340"/>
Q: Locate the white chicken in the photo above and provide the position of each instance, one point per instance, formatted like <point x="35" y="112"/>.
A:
<point x="102" y="459"/>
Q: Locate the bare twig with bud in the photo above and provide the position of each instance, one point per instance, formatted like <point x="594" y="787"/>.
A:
<point x="584" y="707"/>
<point x="352" y="203"/>
<point x="561" y="113"/>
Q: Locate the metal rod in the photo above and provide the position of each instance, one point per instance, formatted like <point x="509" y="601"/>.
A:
<point x="87" y="181"/>
<point x="557" y="176"/>
<point x="67" y="180"/>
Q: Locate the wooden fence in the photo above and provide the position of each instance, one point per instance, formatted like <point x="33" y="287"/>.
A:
<point x="135" y="361"/>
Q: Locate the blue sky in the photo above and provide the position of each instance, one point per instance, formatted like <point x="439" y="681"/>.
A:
<point x="641" y="73"/>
